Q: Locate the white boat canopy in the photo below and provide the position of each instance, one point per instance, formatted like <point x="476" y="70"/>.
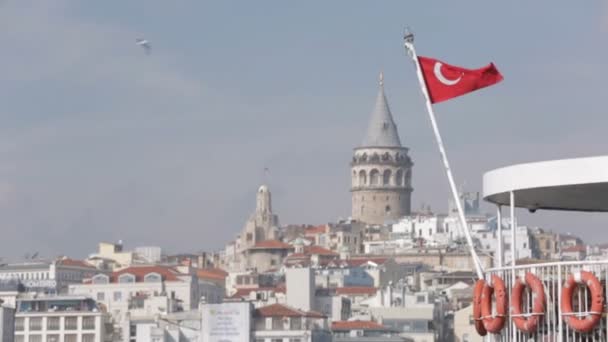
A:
<point x="579" y="184"/>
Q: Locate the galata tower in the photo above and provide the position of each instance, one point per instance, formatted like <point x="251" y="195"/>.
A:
<point x="381" y="170"/>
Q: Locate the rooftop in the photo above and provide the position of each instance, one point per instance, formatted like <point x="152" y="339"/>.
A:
<point x="357" y="325"/>
<point x="356" y="290"/>
<point x="167" y="273"/>
<point x="381" y="131"/>
<point x="271" y="244"/>
<point x="211" y="273"/>
<point x="281" y="310"/>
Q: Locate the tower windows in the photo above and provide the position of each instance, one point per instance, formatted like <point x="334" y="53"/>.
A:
<point x="362" y="178"/>
<point x="386" y="177"/>
<point x="399" y="177"/>
<point x="374" y="176"/>
<point x="387" y="209"/>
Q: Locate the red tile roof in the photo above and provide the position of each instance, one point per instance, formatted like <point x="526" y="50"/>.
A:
<point x="316" y="230"/>
<point x="356" y="290"/>
<point x="280" y="310"/>
<point x="167" y="273"/>
<point x="319" y="250"/>
<point x="75" y="263"/>
<point x="211" y="273"/>
<point x="240" y="293"/>
<point x="272" y="244"/>
<point x="357" y="325"/>
<point x="577" y="248"/>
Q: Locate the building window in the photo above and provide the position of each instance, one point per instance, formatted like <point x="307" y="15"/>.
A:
<point x="35" y="338"/>
<point x="525" y="244"/>
<point x="117" y="296"/>
<point x="277" y="340"/>
<point x="100" y="279"/>
<point x="70" y="338"/>
<point x="152" y="278"/>
<point x="52" y="338"/>
<point x="88" y="337"/>
<point x="387" y="209"/>
<point x="36" y="323"/>
<point x="386" y="178"/>
<point x="88" y="323"/>
<point x="52" y="323"/>
<point x="19" y="338"/>
<point x="295" y="323"/>
<point x="126" y="278"/>
<point x="295" y="340"/>
<point x="19" y="324"/>
<point x="277" y="323"/>
<point x="71" y="323"/>
<point x="101" y="296"/>
<point x="374" y="177"/>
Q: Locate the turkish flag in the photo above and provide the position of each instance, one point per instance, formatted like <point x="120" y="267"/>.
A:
<point x="444" y="81"/>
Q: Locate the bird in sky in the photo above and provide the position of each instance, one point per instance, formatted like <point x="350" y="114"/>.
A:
<point x="145" y="44"/>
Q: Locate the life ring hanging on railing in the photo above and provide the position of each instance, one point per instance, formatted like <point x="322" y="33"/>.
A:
<point x="494" y="324"/>
<point x="477" y="291"/>
<point x="584" y="324"/>
<point x="523" y="323"/>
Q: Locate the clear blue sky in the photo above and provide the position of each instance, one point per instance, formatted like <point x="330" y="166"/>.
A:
<point x="101" y="142"/>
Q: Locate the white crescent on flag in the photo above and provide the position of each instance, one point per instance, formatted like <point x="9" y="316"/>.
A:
<point x="443" y="79"/>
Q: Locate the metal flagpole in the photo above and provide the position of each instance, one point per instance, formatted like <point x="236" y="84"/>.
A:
<point x="409" y="46"/>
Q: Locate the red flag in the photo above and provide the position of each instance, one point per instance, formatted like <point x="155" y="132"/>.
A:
<point x="444" y="81"/>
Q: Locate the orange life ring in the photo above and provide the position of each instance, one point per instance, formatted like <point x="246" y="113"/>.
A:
<point x="538" y="307"/>
<point x="479" y="285"/>
<point x="583" y="324"/>
<point x="494" y="324"/>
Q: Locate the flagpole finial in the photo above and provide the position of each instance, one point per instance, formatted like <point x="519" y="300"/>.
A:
<point x="381" y="79"/>
<point x="408" y="36"/>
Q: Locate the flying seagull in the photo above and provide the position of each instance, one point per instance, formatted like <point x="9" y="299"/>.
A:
<point x="145" y="44"/>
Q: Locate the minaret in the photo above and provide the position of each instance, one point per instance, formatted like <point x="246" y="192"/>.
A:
<point x="265" y="221"/>
<point x="381" y="169"/>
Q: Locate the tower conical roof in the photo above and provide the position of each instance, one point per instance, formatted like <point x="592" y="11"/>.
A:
<point x="382" y="131"/>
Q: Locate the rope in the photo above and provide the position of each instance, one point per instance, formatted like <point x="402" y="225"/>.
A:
<point x="491" y="316"/>
<point x="528" y="314"/>
<point x="582" y="313"/>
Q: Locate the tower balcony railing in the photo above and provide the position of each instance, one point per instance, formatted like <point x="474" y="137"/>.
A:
<point x="404" y="188"/>
<point x="389" y="162"/>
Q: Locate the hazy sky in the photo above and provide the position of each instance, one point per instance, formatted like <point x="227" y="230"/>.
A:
<point x="100" y="142"/>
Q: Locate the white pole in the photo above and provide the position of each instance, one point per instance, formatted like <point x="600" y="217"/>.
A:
<point x="409" y="45"/>
<point x="513" y="227"/>
<point x="513" y="256"/>
<point x="500" y="242"/>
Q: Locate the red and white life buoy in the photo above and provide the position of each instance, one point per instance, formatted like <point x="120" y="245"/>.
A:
<point x="477" y="291"/>
<point x="528" y="324"/>
<point x="583" y="324"/>
<point x="494" y="324"/>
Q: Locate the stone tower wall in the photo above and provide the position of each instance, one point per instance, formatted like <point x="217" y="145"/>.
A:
<point x="381" y="184"/>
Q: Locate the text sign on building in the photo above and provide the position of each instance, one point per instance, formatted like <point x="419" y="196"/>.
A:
<point x="228" y="322"/>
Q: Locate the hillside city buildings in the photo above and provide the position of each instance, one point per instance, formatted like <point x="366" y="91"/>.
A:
<point x="387" y="273"/>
